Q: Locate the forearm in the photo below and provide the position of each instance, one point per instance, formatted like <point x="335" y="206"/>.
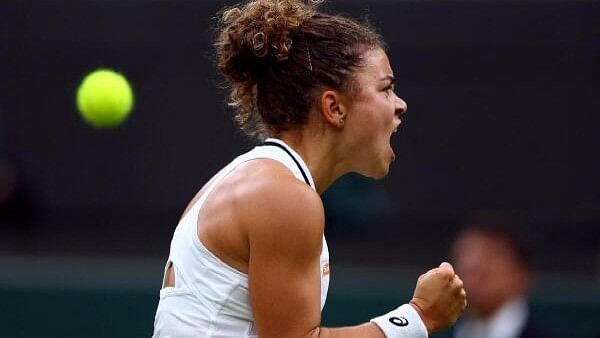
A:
<point x="403" y="322"/>
<point x="367" y="330"/>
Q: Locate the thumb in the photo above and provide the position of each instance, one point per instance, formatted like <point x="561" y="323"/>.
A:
<point x="447" y="267"/>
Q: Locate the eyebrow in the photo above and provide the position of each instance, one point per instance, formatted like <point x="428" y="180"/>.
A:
<point x="389" y="78"/>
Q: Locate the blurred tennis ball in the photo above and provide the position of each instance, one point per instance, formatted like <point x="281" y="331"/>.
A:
<point x="104" y="98"/>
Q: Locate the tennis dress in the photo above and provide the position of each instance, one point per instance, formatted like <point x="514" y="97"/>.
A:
<point x="210" y="298"/>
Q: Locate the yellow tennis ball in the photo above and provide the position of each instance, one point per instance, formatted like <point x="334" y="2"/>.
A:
<point x="104" y="98"/>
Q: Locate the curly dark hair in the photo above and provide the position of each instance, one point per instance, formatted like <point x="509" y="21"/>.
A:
<point x="275" y="54"/>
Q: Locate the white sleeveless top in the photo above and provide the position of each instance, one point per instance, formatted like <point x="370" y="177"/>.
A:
<point x="210" y="298"/>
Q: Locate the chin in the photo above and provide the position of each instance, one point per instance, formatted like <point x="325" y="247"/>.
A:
<point x="378" y="165"/>
<point x="382" y="175"/>
<point x="376" y="173"/>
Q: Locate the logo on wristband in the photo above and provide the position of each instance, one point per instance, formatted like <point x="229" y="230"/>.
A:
<point x="399" y="321"/>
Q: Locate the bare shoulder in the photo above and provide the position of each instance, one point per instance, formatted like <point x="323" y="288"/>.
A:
<point x="277" y="207"/>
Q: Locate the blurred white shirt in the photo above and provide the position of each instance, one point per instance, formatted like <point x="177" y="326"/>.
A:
<point x="507" y="322"/>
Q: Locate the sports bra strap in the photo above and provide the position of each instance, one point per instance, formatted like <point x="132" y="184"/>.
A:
<point x="269" y="143"/>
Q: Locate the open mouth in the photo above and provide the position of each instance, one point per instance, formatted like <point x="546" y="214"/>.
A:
<point x="391" y="147"/>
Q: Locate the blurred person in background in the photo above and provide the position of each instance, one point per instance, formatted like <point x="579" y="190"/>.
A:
<point x="492" y="256"/>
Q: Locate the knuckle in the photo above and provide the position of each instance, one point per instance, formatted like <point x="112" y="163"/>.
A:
<point x="446" y="274"/>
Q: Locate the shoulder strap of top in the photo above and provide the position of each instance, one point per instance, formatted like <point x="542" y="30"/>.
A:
<point x="269" y="143"/>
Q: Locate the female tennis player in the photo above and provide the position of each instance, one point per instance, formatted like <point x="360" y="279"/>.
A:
<point x="249" y="258"/>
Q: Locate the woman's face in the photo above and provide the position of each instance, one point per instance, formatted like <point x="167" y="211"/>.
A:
<point x="373" y="115"/>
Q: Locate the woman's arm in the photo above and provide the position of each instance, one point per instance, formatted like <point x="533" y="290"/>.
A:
<point x="285" y="238"/>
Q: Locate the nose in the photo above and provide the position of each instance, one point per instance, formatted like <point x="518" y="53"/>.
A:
<point x="401" y="107"/>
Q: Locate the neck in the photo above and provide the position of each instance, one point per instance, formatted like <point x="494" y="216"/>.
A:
<point x="319" y="153"/>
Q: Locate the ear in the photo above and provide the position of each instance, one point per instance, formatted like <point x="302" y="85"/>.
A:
<point x="333" y="109"/>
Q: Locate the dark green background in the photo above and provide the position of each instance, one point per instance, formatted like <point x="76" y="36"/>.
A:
<point x="65" y="303"/>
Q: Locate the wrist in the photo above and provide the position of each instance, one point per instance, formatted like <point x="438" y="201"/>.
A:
<point x="426" y="322"/>
<point x="403" y="322"/>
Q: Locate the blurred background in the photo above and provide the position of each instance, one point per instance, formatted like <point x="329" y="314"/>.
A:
<point x="504" y="109"/>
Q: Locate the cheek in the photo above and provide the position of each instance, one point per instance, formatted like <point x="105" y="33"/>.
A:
<point x="381" y="115"/>
<point x="372" y="120"/>
<point x="387" y="111"/>
<point x="366" y="124"/>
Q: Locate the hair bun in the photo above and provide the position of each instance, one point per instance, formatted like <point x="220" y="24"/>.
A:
<point x="256" y="34"/>
<point x="270" y="95"/>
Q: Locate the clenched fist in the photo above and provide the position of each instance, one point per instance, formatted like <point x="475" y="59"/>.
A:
<point x="439" y="297"/>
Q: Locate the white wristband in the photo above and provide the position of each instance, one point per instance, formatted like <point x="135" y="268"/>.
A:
<point x="404" y="322"/>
